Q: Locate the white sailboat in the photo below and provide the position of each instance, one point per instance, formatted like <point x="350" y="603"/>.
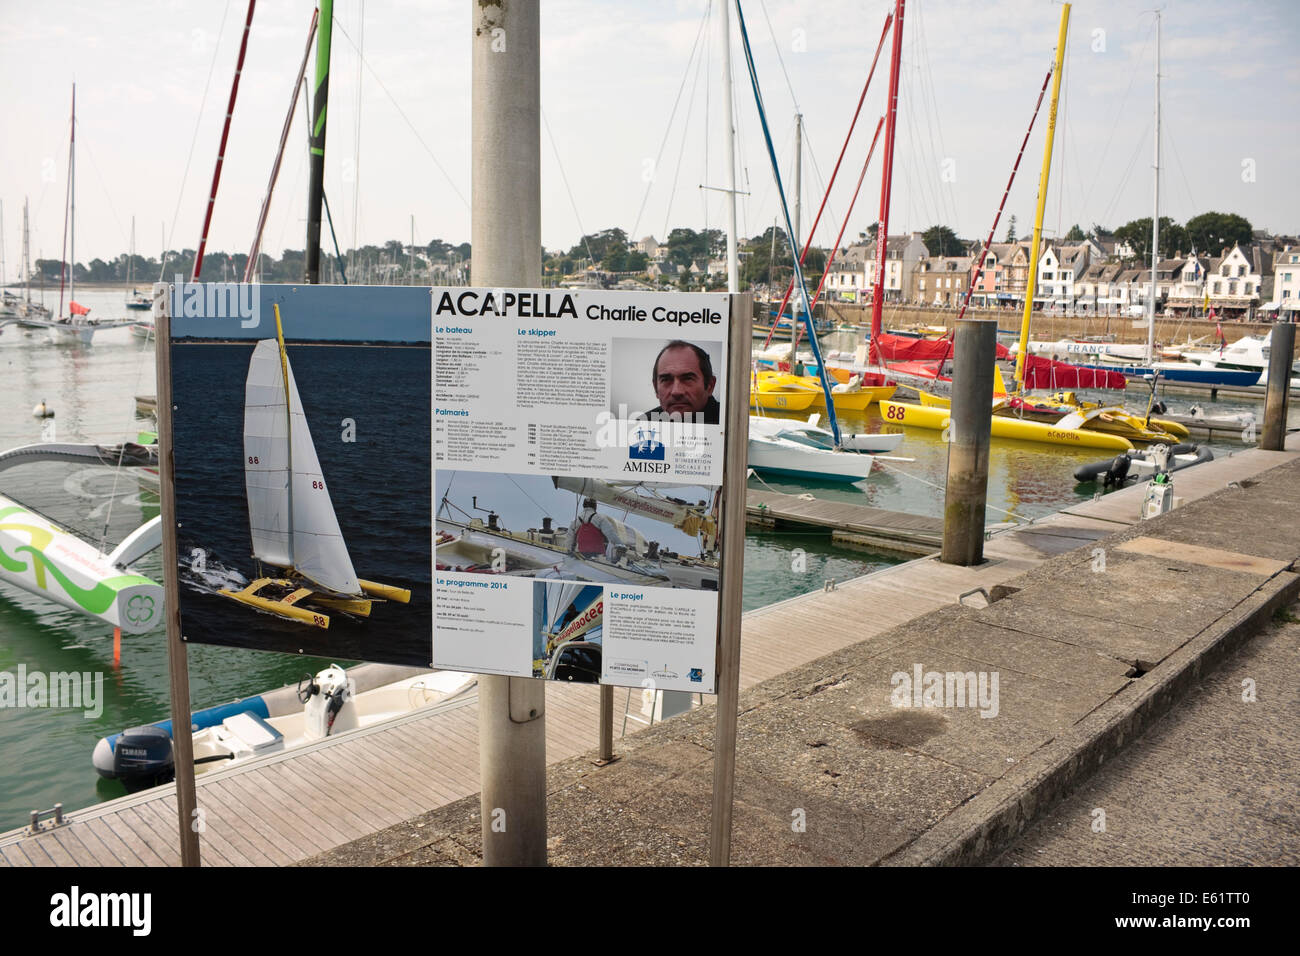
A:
<point x="291" y="517"/>
<point x="76" y="328"/>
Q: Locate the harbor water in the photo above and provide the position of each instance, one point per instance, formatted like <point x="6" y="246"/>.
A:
<point x="92" y="391"/>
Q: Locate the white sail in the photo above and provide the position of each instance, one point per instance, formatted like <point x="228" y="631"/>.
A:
<point x="289" y="505"/>
<point x="564" y="595"/>
<point x="266" y="457"/>
<point x="319" y="552"/>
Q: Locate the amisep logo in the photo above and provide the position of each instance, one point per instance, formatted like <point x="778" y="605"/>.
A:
<point x="76" y="909"/>
<point x="216" y="300"/>
<point x="645" y="446"/>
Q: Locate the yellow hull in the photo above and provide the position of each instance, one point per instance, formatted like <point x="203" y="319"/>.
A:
<point x="855" y="400"/>
<point x="938" y="418"/>
<point x="287" y="606"/>
<point x="789" y="401"/>
<point x="1130" y="427"/>
<point x="385" y="592"/>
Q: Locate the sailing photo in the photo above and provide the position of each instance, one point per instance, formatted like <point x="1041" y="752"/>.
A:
<point x="648" y="534"/>
<point x="568" y="625"/>
<point x="298" y="446"/>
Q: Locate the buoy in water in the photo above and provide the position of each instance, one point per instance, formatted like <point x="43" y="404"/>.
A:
<point x="42" y="411"/>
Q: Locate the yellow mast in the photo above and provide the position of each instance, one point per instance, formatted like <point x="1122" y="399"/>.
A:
<point x="288" y="412"/>
<point x="1032" y="285"/>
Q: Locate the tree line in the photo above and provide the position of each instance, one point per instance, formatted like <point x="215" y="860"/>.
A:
<point x="767" y="260"/>
<point x="1208" y="234"/>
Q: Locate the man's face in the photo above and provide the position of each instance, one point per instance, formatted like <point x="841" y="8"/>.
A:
<point x="679" y="383"/>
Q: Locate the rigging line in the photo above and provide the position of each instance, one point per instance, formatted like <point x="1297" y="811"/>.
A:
<point x="979" y="268"/>
<point x="565" y="180"/>
<point x="108" y="196"/>
<point x="789" y="225"/>
<point x="923" y="203"/>
<point x="830" y="259"/>
<point x="681" y="153"/>
<point x="527" y="495"/>
<point x="906" y="474"/>
<point x="198" y="121"/>
<point x="1101" y="161"/>
<point x="932" y="114"/>
<point x="64" y="268"/>
<point x="1138" y="148"/>
<point x="889" y="19"/>
<point x="821" y="183"/>
<point x="405" y="118"/>
<point x="1171" y="141"/>
<point x="777" y="47"/>
<point x="671" y="116"/>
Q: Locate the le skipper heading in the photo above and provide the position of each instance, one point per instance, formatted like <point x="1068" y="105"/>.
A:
<point x="555" y="305"/>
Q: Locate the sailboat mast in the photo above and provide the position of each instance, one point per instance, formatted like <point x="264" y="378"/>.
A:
<point x="316" y="186"/>
<point x="221" y="150"/>
<point x="887" y="182"/>
<point x="288" y="426"/>
<point x="733" y="265"/>
<point x="1155" y="214"/>
<point x="1031" y="286"/>
<point x="798" y="179"/>
<point x="72" y="208"/>
<point x="798" y="190"/>
<point x="27" y="260"/>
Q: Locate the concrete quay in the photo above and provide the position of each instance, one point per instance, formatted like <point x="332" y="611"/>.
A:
<point x="1098" y="625"/>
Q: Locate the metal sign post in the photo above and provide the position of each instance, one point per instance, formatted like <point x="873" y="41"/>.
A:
<point x="732" y="575"/>
<point x="188" y="818"/>
<point x="506" y="238"/>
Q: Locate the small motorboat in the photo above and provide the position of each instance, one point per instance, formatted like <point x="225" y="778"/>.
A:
<point x="326" y="704"/>
<point x="1140" y="464"/>
<point x="802" y="449"/>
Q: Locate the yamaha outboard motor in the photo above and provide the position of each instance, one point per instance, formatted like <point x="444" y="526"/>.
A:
<point x="1117" y="472"/>
<point x="142" y="758"/>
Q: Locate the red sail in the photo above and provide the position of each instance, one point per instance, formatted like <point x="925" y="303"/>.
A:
<point x="1047" y="374"/>
<point x="76" y="308"/>
<point x="904" y="348"/>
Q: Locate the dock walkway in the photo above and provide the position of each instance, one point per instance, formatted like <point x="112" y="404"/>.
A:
<point x="848" y="522"/>
<point x="340" y="794"/>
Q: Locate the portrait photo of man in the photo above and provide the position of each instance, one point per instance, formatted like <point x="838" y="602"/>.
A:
<point x="683" y="381"/>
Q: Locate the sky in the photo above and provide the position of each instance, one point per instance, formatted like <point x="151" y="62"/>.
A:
<point x="153" y="79"/>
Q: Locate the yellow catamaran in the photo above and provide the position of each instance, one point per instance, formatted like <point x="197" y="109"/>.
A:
<point x="290" y="515"/>
<point x="1082" y="425"/>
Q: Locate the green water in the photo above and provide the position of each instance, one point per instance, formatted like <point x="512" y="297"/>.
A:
<point x="45" y="753"/>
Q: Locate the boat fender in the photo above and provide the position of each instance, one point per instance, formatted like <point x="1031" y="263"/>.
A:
<point x="1093" y="471"/>
<point x="142" y="757"/>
